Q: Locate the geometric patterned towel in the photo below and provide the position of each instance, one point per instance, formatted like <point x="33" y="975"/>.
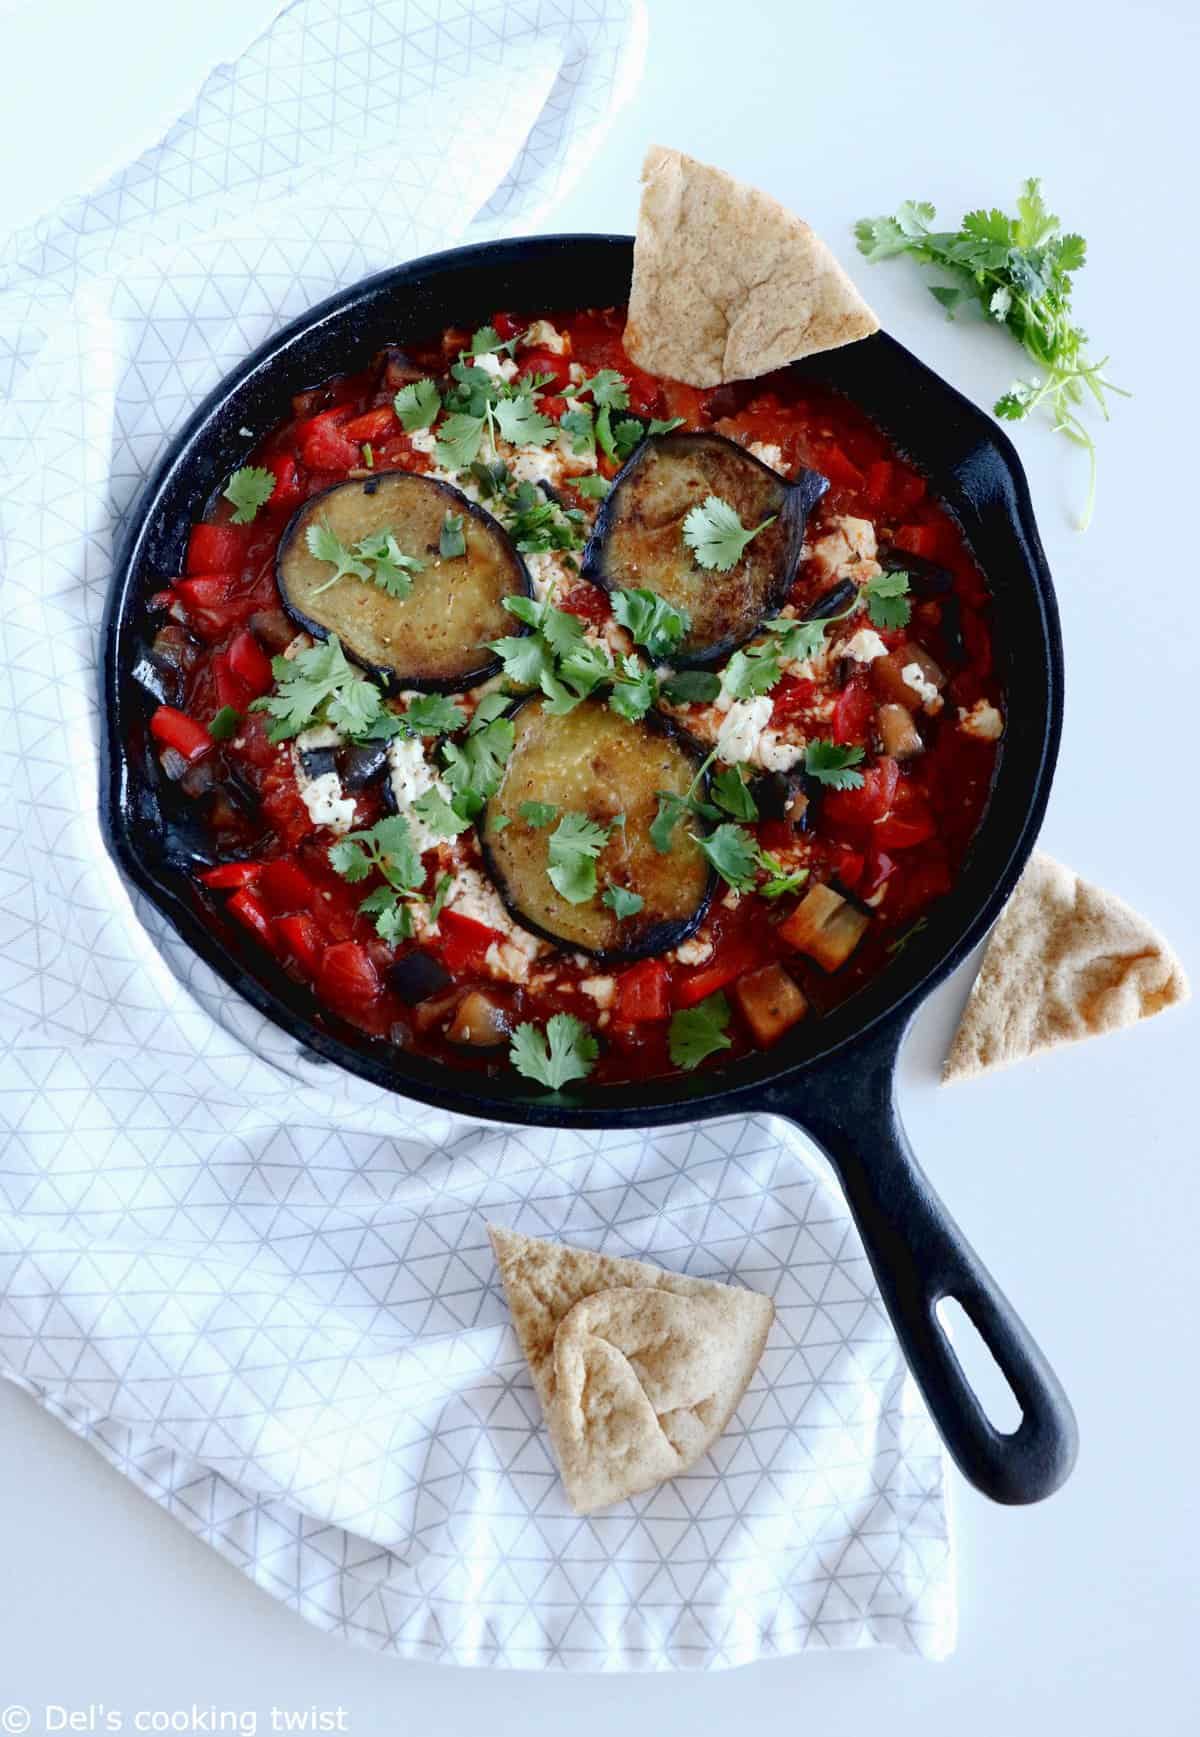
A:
<point x="260" y="1288"/>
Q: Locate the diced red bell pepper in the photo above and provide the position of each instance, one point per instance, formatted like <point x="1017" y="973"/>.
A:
<point x="507" y="325"/>
<point x="227" y="875"/>
<point x="300" y="939"/>
<point x="852" y="810"/>
<point x="734" y="954"/>
<point x="643" y="992"/>
<point x="586" y="601"/>
<point x="879" y="868"/>
<point x="464" y="941"/>
<point x="879" y="481"/>
<point x="174" y="729"/>
<point x="546" y="362"/>
<point x="903" y="831"/>
<point x="285" y="887"/>
<point x="848" y="865"/>
<point x="791" y="696"/>
<point x="217" y="548"/>
<point x="323" y="445"/>
<point x="854" y="713"/>
<point x="917" y="540"/>
<point x="250" y="663"/>
<point x="251" y="912"/>
<point x="832" y="462"/>
<point x="288" y="490"/>
<point x="205" y="590"/>
<point x="347" y="978"/>
<point x="230" y="689"/>
<point x="371" y="425"/>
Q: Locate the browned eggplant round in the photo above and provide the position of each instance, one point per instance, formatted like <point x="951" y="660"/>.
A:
<point x="592" y="761"/>
<point x="638" y="536"/>
<point x="437" y="637"/>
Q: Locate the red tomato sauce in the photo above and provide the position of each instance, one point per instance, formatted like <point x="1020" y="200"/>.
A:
<point x="896" y="843"/>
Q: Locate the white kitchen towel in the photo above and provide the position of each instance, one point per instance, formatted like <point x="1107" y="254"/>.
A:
<point x="262" y="1289"/>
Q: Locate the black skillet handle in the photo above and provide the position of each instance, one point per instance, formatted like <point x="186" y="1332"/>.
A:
<point x="919" y="1256"/>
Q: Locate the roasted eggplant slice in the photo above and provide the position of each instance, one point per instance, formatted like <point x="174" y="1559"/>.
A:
<point x="638" y="537"/>
<point x="593" y="762"/>
<point x="437" y="636"/>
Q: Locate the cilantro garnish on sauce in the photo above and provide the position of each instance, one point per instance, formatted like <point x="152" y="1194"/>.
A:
<point x="697" y="1032"/>
<point x="566" y="1051"/>
<point x="248" y="489"/>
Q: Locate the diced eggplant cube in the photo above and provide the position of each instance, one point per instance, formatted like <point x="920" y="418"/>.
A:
<point x="825" y="927"/>
<point x="783" y="796"/>
<point x="416" y="977"/>
<point x="318" y="762"/>
<point x="887" y="675"/>
<point x="479" y="1021"/>
<point x="899" y="735"/>
<point x="770" y="1002"/>
<point x="360" y="763"/>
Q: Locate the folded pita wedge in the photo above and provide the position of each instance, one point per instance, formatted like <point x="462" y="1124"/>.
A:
<point x="727" y="285"/>
<point x="638" y="1370"/>
<point x="1066" y="961"/>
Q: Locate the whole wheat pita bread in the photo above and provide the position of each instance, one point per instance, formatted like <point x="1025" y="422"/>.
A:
<point x="727" y="284"/>
<point x="1066" y="961"/>
<point x="638" y="1370"/>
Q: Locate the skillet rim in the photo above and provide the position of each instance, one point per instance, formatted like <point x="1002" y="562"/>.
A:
<point x="989" y="462"/>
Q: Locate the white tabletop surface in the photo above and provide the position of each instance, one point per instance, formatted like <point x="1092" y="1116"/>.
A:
<point x="1077" y="1176"/>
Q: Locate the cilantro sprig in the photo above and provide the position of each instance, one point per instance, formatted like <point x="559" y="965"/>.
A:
<point x="887" y="599"/>
<point x="832" y="763"/>
<point x="248" y="489"/>
<point x="376" y="559"/>
<point x="1019" y="272"/>
<point x="698" y="1032"/>
<point x="319" y="685"/>
<point x="715" y="534"/>
<point x="387" y="849"/>
<point x="565" y="1051"/>
<point x="574" y="845"/>
<point x="559" y="659"/>
<point x="651" y="621"/>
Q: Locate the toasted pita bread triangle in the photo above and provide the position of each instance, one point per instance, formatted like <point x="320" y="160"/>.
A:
<point x="727" y="285"/>
<point x="1066" y="961"/>
<point x="638" y="1370"/>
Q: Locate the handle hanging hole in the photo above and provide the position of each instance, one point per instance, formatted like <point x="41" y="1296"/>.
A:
<point x="983" y="1373"/>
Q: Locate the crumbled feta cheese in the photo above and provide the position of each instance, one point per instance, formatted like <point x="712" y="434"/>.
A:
<point x="411" y="776"/>
<point x="847" y="548"/>
<point x="499" y="367"/>
<point x="744" y="723"/>
<point x="550" y="578"/>
<point x="423" y="439"/>
<point x="982" y="720"/>
<point x="543" y="336"/>
<point x="509" y="960"/>
<point x="578" y="373"/>
<point x="601" y="989"/>
<point x="913" y="676"/>
<point x="536" y="464"/>
<point x="695" y="951"/>
<point x="474" y="896"/>
<point x="324" y="798"/>
<point x="864" y="646"/>
<point x="767" y="452"/>
<point x="776" y="755"/>
<point x="317" y="736"/>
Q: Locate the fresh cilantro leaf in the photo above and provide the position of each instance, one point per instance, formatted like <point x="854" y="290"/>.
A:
<point x="475" y="766"/>
<point x="393" y="919"/>
<point x="593" y="488"/>
<point x="248" y="489"/>
<point x="634" y="689"/>
<point x="733" y="853"/>
<point x="692" y="687"/>
<point x="390" y="569"/>
<point x="459" y="440"/>
<point x="225" y="724"/>
<point x="800" y="640"/>
<point x="608" y="388"/>
<point x="417" y="405"/>
<point x="491" y="479"/>
<point x="527" y="659"/>
<point x="753" y="670"/>
<point x="730" y="791"/>
<point x="887" y="600"/>
<point x="488" y="342"/>
<point x="830" y="762"/>
<point x="580" y="424"/>
<point x="627" y="435"/>
<point x="651" y="620"/>
<point x="318" y="685"/>
<point x="575" y="844"/>
<point x="442" y="820"/>
<point x="433" y="715"/>
<point x="500" y="822"/>
<point x="537" y="813"/>
<point x="657" y="427"/>
<point x="697" y="1032"/>
<point x="537" y="524"/>
<point x="325" y="546"/>
<point x="440" y="894"/>
<point x="566" y="1052"/>
<point x="1018" y="270"/>
<point x="780" y="881"/>
<point x="715" y="534"/>
<point x="622" y="901"/>
<point x="453" y="539"/>
<point x="490" y="706"/>
<point x="523" y="425"/>
<point x="387" y="849"/>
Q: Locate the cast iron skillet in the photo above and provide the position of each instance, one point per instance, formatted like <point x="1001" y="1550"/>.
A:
<point x="833" y="1076"/>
